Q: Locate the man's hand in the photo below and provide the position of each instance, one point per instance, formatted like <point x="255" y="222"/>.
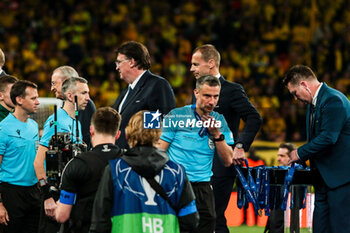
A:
<point x="50" y="207"/>
<point x="224" y="151"/>
<point x="4" y="217"/>
<point x="238" y="156"/>
<point x="214" y="131"/>
<point x="293" y="157"/>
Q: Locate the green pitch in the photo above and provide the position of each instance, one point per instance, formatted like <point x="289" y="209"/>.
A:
<point x="246" y="229"/>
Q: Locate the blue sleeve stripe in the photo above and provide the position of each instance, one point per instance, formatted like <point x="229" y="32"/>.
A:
<point x="189" y="209"/>
<point x="67" y="197"/>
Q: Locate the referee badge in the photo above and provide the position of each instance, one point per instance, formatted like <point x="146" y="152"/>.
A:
<point x="211" y="143"/>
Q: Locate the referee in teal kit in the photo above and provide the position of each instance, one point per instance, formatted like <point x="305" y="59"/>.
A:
<point x="19" y="135"/>
<point x="193" y="146"/>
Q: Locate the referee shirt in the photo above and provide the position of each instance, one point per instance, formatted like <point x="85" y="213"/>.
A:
<point x="18" y="142"/>
<point x="187" y="147"/>
<point x="65" y="124"/>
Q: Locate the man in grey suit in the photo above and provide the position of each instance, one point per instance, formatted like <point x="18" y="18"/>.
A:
<point x="2" y="63"/>
<point x="145" y="91"/>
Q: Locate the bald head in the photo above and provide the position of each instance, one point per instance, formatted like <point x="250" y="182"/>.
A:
<point x="2" y="58"/>
<point x="59" y="75"/>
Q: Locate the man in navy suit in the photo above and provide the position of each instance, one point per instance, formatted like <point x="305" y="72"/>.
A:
<point x="234" y="105"/>
<point x="327" y="148"/>
<point x="145" y="91"/>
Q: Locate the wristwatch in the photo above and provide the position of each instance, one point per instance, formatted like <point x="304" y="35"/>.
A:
<point x="42" y="182"/>
<point x="220" y="138"/>
<point x="239" y="145"/>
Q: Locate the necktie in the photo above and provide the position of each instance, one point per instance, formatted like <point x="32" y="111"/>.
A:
<point x="129" y="94"/>
<point x="124" y="101"/>
<point x="311" y="120"/>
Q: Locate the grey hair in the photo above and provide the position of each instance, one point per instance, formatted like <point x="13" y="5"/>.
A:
<point x="2" y="58"/>
<point x="70" y="84"/>
<point x="209" y="80"/>
<point x="66" y="72"/>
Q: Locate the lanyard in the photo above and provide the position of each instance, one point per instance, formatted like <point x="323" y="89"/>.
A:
<point x="241" y="201"/>
<point x="250" y="196"/>
<point x="260" y="185"/>
<point x="203" y="131"/>
<point x="266" y="176"/>
<point x="287" y="182"/>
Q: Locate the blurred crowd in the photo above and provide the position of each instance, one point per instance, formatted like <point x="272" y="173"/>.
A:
<point x="258" y="39"/>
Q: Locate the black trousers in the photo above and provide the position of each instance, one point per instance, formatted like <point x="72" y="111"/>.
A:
<point x="23" y="206"/>
<point x="48" y="224"/>
<point x="275" y="223"/>
<point x="222" y="186"/>
<point x="205" y="206"/>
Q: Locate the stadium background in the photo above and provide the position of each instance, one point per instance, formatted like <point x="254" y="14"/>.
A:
<point x="258" y="41"/>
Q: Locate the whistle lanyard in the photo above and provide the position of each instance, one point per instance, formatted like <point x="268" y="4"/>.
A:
<point x="203" y="131"/>
<point x="287" y="182"/>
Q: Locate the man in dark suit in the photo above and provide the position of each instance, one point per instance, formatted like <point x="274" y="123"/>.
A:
<point x="145" y="90"/>
<point x="234" y="105"/>
<point x="2" y="63"/>
<point x="327" y="148"/>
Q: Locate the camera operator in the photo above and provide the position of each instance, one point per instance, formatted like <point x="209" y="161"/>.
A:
<point x="19" y="195"/>
<point x="66" y="123"/>
<point x="83" y="173"/>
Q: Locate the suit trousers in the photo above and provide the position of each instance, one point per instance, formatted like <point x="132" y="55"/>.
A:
<point x="332" y="208"/>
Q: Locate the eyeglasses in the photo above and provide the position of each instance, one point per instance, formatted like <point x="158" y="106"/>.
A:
<point x="117" y="63"/>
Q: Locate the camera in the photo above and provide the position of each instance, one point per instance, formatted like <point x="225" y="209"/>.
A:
<point x="61" y="150"/>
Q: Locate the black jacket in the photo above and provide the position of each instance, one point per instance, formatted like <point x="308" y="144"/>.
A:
<point x="235" y="105"/>
<point x="151" y="93"/>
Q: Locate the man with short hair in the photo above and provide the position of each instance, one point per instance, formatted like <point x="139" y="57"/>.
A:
<point x="283" y="153"/>
<point x="275" y="222"/>
<point x="59" y="75"/>
<point x="327" y="148"/>
<point x="66" y="123"/>
<point x="145" y="90"/>
<point x="6" y="105"/>
<point x="82" y="174"/>
<point x="19" y="194"/>
<point x="191" y="140"/>
<point x="235" y="106"/>
<point x="2" y="63"/>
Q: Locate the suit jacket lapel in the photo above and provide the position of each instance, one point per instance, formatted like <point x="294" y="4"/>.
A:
<point x="315" y="111"/>
<point x="136" y="90"/>
<point x="309" y="123"/>
<point x="120" y="98"/>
